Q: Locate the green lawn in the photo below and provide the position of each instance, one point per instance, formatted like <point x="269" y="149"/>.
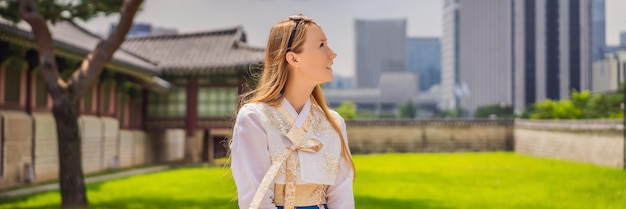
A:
<point x="435" y="181"/>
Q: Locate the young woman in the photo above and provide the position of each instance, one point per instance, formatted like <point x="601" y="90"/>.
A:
<point x="288" y="149"/>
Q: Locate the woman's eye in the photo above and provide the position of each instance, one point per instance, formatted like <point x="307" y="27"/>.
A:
<point x="322" y="45"/>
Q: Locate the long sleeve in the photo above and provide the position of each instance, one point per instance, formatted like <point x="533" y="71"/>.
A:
<point x="341" y="195"/>
<point x="250" y="158"/>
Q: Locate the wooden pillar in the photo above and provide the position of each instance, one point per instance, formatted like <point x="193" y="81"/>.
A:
<point x="29" y="91"/>
<point x="99" y="98"/>
<point x="192" y="106"/>
<point x="144" y="110"/>
<point x="192" y="147"/>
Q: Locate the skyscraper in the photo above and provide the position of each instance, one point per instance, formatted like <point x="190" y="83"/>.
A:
<point x="553" y="50"/>
<point x="515" y="51"/>
<point x="449" y="54"/>
<point x="476" y="53"/>
<point x="598" y="32"/>
<point x="380" y="47"/>
<point x="424" y="58"/>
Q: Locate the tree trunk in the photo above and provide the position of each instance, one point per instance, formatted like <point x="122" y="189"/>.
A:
<point x="71" y="178"/>
<point x="66" y="95"/>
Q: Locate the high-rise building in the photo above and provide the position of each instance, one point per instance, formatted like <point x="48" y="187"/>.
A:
<point x="598" y="33"/>
<point x="515" y="52"/>
<point x="610" y="72"/>
<point x="424" y="58"/>
<point x="449" y="54"/>
<point x="553" y="49"/>
<point x="380" y="47"/>
<point x="476" y="53"/>
<point x="622" y="39"/>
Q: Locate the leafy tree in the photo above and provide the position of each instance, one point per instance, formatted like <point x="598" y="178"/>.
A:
<point x="347" y="110"/>
<point x="408" y="110"/>
<point x="581" y="105"/>
<point x="580" y="101"/>
<point x="528" y="110"/>
<point x="605" y="106"/>
<point x="501" y="111"/>
<point x="66" y="93"/>
<point x="565" y="109"/>
<point x="550" y="109"/>
<point x="365" y="114"/>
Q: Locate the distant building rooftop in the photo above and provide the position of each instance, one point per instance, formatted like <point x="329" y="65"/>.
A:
<point x="197" y="53"/>
<point x="75" y="42"/>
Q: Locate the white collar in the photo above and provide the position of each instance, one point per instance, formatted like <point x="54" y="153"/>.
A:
<point x="299" y="119"/>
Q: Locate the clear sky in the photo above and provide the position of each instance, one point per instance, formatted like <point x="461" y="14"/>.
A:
<point x="335" y="16"/>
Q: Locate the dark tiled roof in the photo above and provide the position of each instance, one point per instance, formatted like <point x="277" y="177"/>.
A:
<point x="75" y="42"/>
<point x="74" y="39"/>
<point x="197" y="53"/>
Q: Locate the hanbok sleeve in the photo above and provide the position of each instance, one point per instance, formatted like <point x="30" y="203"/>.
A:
<point x="340" y="194"/>
<point x="250" y="158"/>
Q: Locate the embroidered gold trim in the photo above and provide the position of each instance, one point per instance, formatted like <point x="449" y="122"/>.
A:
<point x="331" y="164"/>
<point x="306" y="194"/>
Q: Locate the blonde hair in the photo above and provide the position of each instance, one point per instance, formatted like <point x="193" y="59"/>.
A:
<point x="270" y="88"/>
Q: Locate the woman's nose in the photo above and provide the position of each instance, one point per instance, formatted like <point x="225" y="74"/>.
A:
<point x="332" y="54"/>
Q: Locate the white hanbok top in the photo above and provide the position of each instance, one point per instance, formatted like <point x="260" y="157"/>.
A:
<point x="259" y="136"/>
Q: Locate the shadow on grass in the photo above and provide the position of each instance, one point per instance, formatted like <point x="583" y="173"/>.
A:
<point x="367" y="202"/>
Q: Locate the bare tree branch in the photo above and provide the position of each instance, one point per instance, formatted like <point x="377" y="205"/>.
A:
<point x="95" y="61"/>
<point x="29" y="12"/>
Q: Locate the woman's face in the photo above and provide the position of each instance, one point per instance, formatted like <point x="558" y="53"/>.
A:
<point x="315" y="60"/>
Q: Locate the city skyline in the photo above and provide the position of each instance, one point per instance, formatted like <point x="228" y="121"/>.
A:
<point x="257" y="17"/>
<point x="424" y="19"/>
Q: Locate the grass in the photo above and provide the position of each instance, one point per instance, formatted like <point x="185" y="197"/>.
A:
<point x="435" y="181"/>
<point x="95" y="174"/>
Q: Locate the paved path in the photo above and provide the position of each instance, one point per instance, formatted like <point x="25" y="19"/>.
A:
<point x="55" y="186"/>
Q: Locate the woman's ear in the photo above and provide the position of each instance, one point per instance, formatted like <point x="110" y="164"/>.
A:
<point x="292" y="59"/>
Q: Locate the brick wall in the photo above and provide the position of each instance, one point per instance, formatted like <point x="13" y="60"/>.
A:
<point x="429" y="136"/>
<point x="16" y="154"/>
<point x="600" y="142"/>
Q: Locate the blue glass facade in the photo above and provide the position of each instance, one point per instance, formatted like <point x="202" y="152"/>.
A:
<point x="425" y="60"/>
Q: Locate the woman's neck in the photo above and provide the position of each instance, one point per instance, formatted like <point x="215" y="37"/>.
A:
<point x="297" y="95"/>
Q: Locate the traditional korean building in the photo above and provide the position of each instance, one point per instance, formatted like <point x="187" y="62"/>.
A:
<point x="208" y="70"/>
<point x="155" y="97"/>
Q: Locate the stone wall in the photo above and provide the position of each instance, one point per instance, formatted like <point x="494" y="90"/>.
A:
<point x="599" y="142"/>
<point x="127" y="148"/>
<point x="17" y="135"/>
<point x="30" y="146"/>
<point x="46" y="147"/>
<point x="90" y="129"/>
<point x="110" y="143"/>
<point x="166" y="146"/>
<point x="429" y="136"/>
